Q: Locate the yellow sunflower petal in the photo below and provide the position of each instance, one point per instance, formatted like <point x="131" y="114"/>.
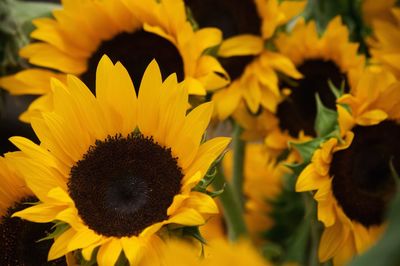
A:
<point x="123" y="102"/>
<point x="207" y="153"/>
<point x="43" y="213"/>
<point x="190" y="135"/>
<point x="202" y="203"/>
<point x="133" y="249"/>
<point x="149" y="93"/>
<point x="371" y="117"/>
<point x="241" y="45"/>
<point x="45" y="55"/>
<point x="188" y="217"/>
<point x="309" y="179"/>
<point x="82" y="239"/>
<point x="109" y="252"/>
<point x="332" y="240"/>
<point x="227" y="100"/>
<point x="59" y="248"/>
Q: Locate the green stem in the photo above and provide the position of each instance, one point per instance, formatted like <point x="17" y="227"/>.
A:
<point x="232" y="209"/>
<point x="315" y="229"/>
<point x="238" y="163"/>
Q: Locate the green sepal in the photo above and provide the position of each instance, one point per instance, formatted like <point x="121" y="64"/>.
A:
<point x="188" y="233"/>
<point x="208" y="179"/>
<point x="326" y="120"/>
<point x="194" y="231"/>
<point x="59" y="228"/>
<point x="337" y="92"/>
<point x="81" y="260"/>
<point x="306" y="150"/>
<point x="122" y="260"/>
<point x="191" y="19"/>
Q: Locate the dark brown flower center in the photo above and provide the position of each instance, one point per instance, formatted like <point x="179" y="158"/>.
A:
<point x="135" y="51"/>
<point x="362" y="181"/>
<point x="19" y="245"/>
<point x="233" y="17"/>
<point x="123" y="185"/>
<point x="298" y="111"/>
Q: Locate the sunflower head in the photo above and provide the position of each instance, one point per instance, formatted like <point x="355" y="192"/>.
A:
<point x="119" y="168"/>
<point x="21" y="242"/>
<point x="352" y="173"/>
<point x="133" y="32"/>
<point x="253" y="68"/>
<point x="323" y="65"/>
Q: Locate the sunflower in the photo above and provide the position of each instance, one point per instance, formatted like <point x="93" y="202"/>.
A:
<point x="320" y="59"/>
<point x="383" y="42"/>
<point x="246" y="26"/>
<point x="118" y="168"/>
<point x="352" y="176"/>
<point x="378" y="10"/>
<point x="219" y="253"/>
<point x="133" y="32"/>
<point x="18" y="238"/>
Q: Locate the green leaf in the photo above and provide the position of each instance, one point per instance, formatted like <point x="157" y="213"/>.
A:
<point x="326" y="120"/>
<point x="386" y="251"/>
<point x="60" y="227"/>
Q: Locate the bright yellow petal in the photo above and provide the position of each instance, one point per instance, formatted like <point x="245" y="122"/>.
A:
<point x="188" y="217"/>
<point x="190" y="135"/>
<point x="109" y="252"/>
<point x="133" y="249"/>
<point x="59" y="248"/>
<point x="109" y="77"/>
<point x="201" y="203"/>
<point x="309" y="179"/>
<point x="207" y="153"/>
<point x="83" y="238"/>
<point x="241" y="45"/>
<point x="148" y="99"/>
<point x="332" y="241"/>
<point x="41" y="213"/>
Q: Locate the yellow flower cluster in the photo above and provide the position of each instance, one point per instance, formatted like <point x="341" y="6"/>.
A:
<point x="198" y="132"/>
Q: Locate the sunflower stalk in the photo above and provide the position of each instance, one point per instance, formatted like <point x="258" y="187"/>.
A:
<point x="238" y="162"/>
<point x="315" y="229"/>
<point x="233" y="212"/>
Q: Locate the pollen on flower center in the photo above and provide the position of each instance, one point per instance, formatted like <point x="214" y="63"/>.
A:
<point x="123" y="185"/>
<point x="135" y="51"/>
<point x="362" y="181"/>
<point x="19" y="239"/>
<point x="299" y="110"/>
